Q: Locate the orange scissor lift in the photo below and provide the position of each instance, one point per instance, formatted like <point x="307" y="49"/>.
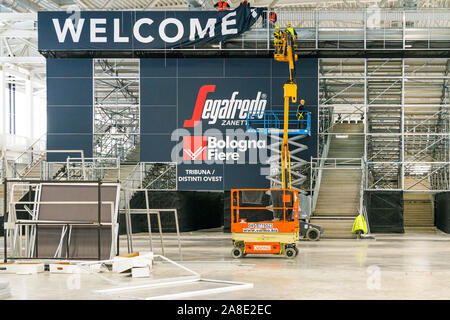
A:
<point x="265" y="236"/>
<point x="278" y="236"/>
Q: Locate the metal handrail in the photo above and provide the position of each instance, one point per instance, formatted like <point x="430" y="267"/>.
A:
<point x="362" y="205"/>
<point x="81" y="152"/>
<point x="30" y="147"/>
<point x="335" y="162"/>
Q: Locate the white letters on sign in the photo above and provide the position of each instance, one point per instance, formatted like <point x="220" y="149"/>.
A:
<point x="136" y="33"/>
<point x="227" y="21"/>
<point x="117" y="37"/>
<point x="98" y="29"/>
<point x="68" y="25"/>
<point x="197" y="28"/>
<point x="95" y="30"/>
<point x="162" y="30"/>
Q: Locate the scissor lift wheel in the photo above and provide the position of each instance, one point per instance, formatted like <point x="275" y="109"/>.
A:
<point x="236" y="253"/>
<point x="290" y="252"/>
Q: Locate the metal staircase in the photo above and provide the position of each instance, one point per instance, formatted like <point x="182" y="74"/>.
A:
<point x="338" y="201"/>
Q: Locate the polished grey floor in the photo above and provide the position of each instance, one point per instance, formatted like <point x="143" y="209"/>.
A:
<point x="414" y="265"/>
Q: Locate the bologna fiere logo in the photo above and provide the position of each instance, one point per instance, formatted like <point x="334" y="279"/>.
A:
<point x="213" y="148"/>
<point x="230" y="111"/>
<point x="194" y="148"/>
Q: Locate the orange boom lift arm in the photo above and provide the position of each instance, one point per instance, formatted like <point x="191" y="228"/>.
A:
<point x="290" y="94"/>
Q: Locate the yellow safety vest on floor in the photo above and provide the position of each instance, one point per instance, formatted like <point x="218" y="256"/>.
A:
<point x="360" y="224"/>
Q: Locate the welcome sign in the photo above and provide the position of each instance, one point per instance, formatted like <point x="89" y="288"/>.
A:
<point x="140" y="30"/>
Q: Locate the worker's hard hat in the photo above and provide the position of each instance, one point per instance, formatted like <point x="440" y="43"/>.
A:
<point x="277" y="27"/>
<point x="288" y="24"/>
<point x="302" y="101"/>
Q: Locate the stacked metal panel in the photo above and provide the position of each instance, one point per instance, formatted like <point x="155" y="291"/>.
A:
<point x="77" y="204"/>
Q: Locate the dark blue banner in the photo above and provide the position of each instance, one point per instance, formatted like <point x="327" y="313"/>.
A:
<point x="140" y="30"/>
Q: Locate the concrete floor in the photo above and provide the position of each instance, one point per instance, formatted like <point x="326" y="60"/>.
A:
<point x="414" y="265"/>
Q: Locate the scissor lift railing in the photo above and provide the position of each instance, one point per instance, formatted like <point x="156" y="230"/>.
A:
<point x="271" y="122"/>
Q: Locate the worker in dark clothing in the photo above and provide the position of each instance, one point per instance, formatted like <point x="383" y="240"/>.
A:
<point x="301" y="114"/>
<point x="278" y="39"/>
<point x="222" y="6"/>
<point x="246" y="3"/>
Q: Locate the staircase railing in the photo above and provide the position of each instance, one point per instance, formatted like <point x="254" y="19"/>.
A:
<point x="134" y="181"/>
<point x="94" y="168"/>
<point x="165" y="180"/>
<point x="317" y="175"/>
<point x="30" y="157"/>
<point x="12" y="173"/>
<point x="362" y="204"/>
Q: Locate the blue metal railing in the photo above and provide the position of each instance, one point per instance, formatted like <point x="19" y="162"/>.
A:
<point x="272" y="122"/>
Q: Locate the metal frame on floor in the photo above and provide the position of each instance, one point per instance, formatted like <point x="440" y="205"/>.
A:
<point x="182" y="280"/>
<point x="147" y="211"/>
<point x="97" y="224"/>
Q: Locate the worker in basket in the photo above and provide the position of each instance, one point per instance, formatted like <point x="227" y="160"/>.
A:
<point x="278" y="39"/>
<point x="301" y="114"/>
<point x="291" y="31"/>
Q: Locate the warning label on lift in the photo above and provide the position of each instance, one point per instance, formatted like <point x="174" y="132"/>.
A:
<point x="262" y="248"/>
<point x="260" y="230"/>
<point x="260" y="225"/>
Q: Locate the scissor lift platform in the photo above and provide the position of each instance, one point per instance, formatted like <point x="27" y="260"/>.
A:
<point x="271" y="122"/>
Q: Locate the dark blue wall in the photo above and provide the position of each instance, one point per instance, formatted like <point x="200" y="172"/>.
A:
<point x="168" y="92"/>
<point x="69" y="107"/>
<point x="169" y="89"/>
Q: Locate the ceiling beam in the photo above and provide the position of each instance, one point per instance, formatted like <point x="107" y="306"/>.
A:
<point x="27" y="60"/>
<point x="26" y="4"/>
<point x="14" y="16"/>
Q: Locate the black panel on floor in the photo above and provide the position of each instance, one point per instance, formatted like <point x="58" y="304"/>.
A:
<point x="442" y="211"/>
<point x="385" y="211"/>
<point x="196" y="210"/>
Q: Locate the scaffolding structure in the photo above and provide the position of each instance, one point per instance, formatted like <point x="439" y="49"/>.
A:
<point x="116" y="84"/>
<point x="403" y="104"/>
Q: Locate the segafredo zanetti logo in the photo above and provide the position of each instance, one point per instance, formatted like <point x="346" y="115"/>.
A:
<point x="230" y="111"/>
